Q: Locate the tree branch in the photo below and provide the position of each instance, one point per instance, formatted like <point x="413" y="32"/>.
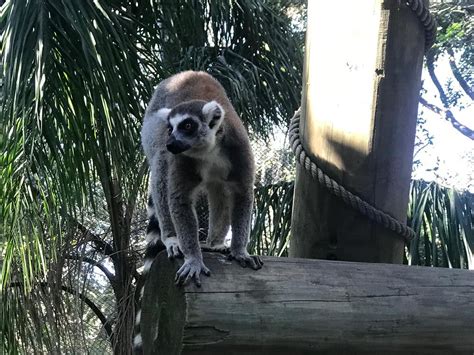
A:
<point x="457" y="74"/>
<point x="431" y="71"/>
<point x="419" y="149"/>
<point x="448" y="115"/>
<point x="85" y="299"/>
<point x="101" y="245"/>
<point x="95" y="263"/>
<point x="131" y="203"/>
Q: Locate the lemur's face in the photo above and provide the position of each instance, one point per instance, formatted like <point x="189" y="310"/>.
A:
<point x="192" y="126"/>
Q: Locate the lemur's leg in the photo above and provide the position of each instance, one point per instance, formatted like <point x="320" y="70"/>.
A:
<point x="241" y="219"/>
<point x="183" y="189"/>
<point x="220" y="203"/>
<point x="159" y="193"/>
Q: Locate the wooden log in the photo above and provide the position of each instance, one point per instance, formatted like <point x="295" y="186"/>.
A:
<point x="303" y="306"/>
<point x="360" y="99"/>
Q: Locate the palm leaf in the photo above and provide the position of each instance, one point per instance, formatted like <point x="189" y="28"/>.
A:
<point x="443" y="217"/>
<point x="67" y="126"/>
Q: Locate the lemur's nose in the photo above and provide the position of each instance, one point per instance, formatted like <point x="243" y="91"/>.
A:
<point x="176" y="146"/>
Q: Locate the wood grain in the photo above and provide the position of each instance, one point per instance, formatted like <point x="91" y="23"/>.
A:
<point x="302" y="306"/>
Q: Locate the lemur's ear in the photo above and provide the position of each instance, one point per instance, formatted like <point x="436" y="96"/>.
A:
<point x="162" y="114"/>
<point x="214" y="113"/>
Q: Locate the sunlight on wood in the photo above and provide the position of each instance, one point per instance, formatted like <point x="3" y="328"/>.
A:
<point x="339" y="99"/>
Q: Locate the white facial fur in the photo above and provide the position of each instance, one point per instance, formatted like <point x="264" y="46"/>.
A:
<point x="176" y="120"/>
<point x="162" y="114"/>
<point x="212" y="116"/>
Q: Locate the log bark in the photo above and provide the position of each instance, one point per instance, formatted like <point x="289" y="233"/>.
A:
<point x="360" y="99"/>
<point x="303" y="306"/>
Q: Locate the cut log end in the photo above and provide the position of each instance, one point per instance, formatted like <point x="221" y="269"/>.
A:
<point x="163" y="309"/>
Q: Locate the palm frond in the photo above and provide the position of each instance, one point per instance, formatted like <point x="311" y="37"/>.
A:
<point x="68" y="125"/>
<point x="443" y="220"/>
<point x="272" y="219"/>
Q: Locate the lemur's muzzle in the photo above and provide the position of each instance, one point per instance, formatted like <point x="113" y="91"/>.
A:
<point x="176" y="146"/>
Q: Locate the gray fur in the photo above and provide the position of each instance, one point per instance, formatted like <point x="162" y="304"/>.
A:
<point x="215" y="158"/>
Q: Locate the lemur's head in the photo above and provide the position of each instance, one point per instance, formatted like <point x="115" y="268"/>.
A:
<point x="192" y="126"/>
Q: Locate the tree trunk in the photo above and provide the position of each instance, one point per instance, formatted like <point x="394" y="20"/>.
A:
<point x="301" y="306"/>
<point x="359" y="114"/>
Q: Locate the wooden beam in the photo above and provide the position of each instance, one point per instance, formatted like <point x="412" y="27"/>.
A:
<point x="360" y="99"/>
<point x="303" y="306"/>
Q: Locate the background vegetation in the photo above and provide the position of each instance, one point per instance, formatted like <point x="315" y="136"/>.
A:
<point x="75" y="79"/>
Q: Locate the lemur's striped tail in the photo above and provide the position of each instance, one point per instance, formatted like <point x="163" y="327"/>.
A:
<point x="154" y="246"/>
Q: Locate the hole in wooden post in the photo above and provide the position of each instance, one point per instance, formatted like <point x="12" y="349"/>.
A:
<point x="332" y="245"/>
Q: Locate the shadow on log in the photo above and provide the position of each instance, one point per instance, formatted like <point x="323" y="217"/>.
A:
<point x="302" y="306"/>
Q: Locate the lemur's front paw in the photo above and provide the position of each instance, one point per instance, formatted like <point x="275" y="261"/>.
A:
<point x="191" y="268"/>
<point x="172" y="248"/>
<point x="245" y="259"/>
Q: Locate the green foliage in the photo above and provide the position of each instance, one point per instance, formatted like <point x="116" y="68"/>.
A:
<point x="455" y="26"/>
<point x="67" y="125"/>
<point x="272" y="219"/>
<point x="71" y="130"/>
<point x="443" y="220"/>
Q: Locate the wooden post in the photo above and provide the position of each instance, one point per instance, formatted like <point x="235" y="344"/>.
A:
<point x="361" y="85"/>
<point x="302" y="306"/>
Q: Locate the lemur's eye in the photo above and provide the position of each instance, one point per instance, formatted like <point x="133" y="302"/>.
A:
<point x="187" y="126"/>
<point x="170" y="129"/>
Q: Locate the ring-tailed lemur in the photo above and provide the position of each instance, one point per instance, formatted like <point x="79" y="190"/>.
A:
<point x="195" y="142"/>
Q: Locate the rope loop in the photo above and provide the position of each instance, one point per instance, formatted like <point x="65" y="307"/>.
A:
<point x="336" y="189"/>
<point x="426" y="18"/>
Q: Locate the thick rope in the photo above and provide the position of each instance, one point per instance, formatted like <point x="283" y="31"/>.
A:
<point x="349" y="198"/>
<point x="429" y="23"/>
<point x="426" y="18"/>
